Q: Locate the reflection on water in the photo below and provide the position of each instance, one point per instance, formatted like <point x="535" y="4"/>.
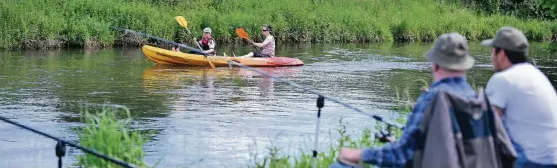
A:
<point x="158" y="78"/>
<point x="212" y="118"/>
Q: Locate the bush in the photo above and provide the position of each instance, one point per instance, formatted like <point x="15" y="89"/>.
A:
<point x="85" y="23"/>
<point x="109" y="135"/>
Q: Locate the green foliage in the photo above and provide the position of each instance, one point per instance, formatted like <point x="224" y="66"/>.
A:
<point x="550" y="7"/>
<point x="326" y="158"/>
<point x="57" y="23"/>
<point x="552" y="47"/>
<point x="534" y="9"/>
<point x="403" y="101"/>
<point x="109" y="135"/>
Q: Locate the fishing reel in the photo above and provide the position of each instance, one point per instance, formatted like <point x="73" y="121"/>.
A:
<point x="385" y="135"/>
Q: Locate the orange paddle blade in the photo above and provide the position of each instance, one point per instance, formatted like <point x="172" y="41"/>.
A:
<point x="242" y="33"/>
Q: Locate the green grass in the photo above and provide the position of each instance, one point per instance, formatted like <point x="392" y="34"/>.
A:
<point x="107" y="132"/>
<point x="552" y="47"/>
<point x="85" y="23"/>
<point x="324" y="158"/>
<point x="404" y="102"/>
<point x="109" y="135"/>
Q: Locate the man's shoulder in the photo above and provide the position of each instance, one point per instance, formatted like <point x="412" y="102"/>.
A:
<point x="517" y="71"/>
<point x="426" y="98"/>
<point x="465" y="102"/>
<point x="499" y="79"/>
<point x="429" y="96"/>
<point x="515" y="74"/>
<point x="451" y="93"/>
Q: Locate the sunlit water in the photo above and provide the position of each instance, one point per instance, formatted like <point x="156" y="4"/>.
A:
<point x="205" y="118"/>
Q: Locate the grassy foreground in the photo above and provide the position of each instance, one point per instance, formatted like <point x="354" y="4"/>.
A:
<point x="325" y="158"/>
<point x="404" y="103"/>
<point x="85" y="23"/>
<point x="108" y="134"/>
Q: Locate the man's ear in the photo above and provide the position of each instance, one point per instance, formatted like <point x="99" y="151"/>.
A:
<point x="435" y="67"/>
<point x="501" y="56"/>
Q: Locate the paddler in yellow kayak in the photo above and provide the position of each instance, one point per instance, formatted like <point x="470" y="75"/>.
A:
<point x="207" y="43"/>
<point x="267" y="46"/>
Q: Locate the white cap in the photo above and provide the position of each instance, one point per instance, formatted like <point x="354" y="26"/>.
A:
<point x="208" y="30"/>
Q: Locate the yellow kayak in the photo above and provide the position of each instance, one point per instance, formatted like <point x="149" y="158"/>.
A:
<point x="163" y="56"/>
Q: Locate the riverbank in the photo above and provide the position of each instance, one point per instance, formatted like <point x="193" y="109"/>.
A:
<point x="86" y="23"/>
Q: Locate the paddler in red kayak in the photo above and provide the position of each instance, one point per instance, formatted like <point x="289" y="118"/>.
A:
<point x="207" y="43"/>
<point x="267" y="46"/>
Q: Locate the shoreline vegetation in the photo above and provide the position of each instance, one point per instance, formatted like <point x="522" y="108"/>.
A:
<point x="107" y="131"/>
<point x="52" y="24"/>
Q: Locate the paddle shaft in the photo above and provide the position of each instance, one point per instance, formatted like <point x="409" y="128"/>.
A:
<point x="161" y="39"/>
<point x="256" y="48"/>
<point x="241" y="32"/>
<point x="198" y="46"/>
<point x="195" y="40"/>
<point x="182" y="21"/>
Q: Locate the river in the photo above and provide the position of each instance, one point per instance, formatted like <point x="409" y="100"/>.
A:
<point x="212" y="118"/>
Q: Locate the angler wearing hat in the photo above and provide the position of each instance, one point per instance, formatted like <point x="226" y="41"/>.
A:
<point x="524" y="98"/>
<point x="207" y="43"/>
<point x="450" y="61"/>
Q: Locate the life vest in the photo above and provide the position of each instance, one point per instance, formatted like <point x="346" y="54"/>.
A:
<point x="205" y="43"/>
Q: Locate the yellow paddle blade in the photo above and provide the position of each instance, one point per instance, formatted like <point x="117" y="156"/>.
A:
<point x="242" y="33"/>
<point x="182" y="21"/>
<point x="211" y="64"/>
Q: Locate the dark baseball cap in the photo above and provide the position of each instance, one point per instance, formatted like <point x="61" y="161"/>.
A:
<point x="508" y="38"/>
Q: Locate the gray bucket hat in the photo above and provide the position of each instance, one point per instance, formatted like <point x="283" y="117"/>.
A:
<point x="508" y="38"/>
<point x="450" y="51"/>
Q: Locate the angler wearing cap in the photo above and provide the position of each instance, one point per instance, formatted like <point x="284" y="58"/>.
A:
<point x="450" y="60"/>
<point x="525" y="99"/>
<point x="207" y="43"/>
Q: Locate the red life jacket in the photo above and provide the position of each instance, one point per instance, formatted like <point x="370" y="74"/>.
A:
<point x="205" y="43"/>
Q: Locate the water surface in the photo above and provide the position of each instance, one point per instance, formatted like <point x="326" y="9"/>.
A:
<point x="212" y="118"/>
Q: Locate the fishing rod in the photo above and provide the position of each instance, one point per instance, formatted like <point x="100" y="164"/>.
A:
<point x="376" y="117"/>
<point x="382" y="135"/>
<point x="61" y="146"/>
<point x="160" y="39"/>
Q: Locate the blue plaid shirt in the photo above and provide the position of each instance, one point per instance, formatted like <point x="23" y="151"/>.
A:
<point x="398" y="153"/>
